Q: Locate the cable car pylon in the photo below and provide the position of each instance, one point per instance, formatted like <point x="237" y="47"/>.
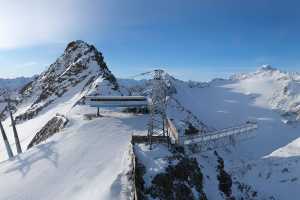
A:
<point x="157" y="106"/>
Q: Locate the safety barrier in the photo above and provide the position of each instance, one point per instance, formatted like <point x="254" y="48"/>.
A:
<point x="234" y="131"/>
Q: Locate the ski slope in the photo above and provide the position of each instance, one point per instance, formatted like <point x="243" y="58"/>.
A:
<point x="87" y="160"/>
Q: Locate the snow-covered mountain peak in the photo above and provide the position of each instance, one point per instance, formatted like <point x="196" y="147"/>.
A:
<point x="272" y="88"/>
<point x="76" y="44"/>
<point x="269" y="71"/>
<point x="262" y="71"/>
<point x="267" y="67"/>
<point x="75" y="71"/>
<point x="79" y="56"/>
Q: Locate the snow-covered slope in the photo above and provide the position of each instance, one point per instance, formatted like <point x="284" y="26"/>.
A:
<point x="85" y="160"/>
<point x="88" y="159"/>
<point x="272" y="89"/>
<point x="262" y="161"/>
<point x="80" y="70"/>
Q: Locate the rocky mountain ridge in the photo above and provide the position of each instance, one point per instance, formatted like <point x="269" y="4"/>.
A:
<point x="80" y="65"/>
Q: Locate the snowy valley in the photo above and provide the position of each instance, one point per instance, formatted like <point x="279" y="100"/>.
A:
<point x="90" y="157"/>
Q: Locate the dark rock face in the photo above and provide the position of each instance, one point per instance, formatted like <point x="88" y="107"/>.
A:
<point x="140" y="171"/>
<point x="178" y="180"/>
<point x="53" y="126"/>
<point x="80" y="63"/>
<point x="228" y="182"/>
<point x="26" y="87"/>
<point x="225" y="181"/>
<point x="182" y="180"/>
<point x="248" y="192"/>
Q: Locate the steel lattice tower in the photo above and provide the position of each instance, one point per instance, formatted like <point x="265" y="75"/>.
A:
<point x="157" y="106"/>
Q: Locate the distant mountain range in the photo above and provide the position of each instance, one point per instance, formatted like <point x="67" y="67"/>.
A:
<point x="14" y="83"/>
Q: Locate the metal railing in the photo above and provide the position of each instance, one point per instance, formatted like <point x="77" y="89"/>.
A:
<point x="220" y="134"/>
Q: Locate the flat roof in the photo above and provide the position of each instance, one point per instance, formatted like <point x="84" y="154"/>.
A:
<point x="116" y="98"/>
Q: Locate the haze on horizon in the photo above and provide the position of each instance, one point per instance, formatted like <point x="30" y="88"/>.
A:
<point x="191" y="39"/>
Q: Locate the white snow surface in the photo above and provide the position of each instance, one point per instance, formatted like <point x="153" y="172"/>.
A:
<point x="271" y="88"/>
<point x="88" y="160"/>
<point x="156" y="159"/>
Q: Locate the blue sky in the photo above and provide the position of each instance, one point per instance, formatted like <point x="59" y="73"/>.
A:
<point x="192" y="39"/>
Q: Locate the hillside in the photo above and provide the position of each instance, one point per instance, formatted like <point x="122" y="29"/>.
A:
<point x="89" y="157"/>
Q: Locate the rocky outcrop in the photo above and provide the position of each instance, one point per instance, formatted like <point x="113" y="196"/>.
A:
<point x="225" y="181"/>
<point x="179" y="181"/>
<point x="52" y="127"/>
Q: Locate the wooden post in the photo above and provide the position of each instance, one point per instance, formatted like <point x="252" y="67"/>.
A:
<point x="7" y="145"/>
<point x="17" y="141"/>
